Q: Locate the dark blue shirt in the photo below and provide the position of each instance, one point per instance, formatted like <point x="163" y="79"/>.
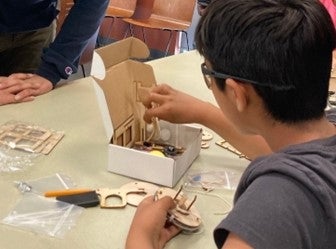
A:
<point x="25" y="15"/>
<point x="61" y="58"/>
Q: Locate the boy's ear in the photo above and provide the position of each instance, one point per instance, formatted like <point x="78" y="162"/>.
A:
<point x="237" y="93"/>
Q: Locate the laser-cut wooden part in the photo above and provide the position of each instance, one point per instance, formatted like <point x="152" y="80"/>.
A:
<point x="30" y="138"/>
<point x="185" y="215"/>
<point x="105" y="193"/>
<point x="224" y="144"/>
<point x="205" y="145"/>
<point x="206" y="135"/>
<point x="134" y="199"/>
<point x="47" y="146"/>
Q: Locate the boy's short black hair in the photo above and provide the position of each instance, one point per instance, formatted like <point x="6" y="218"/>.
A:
<point x="281" y="43"/>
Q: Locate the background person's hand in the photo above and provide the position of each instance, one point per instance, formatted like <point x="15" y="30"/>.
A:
<point x="25" y="85"/>
<point x="7" y="96"/>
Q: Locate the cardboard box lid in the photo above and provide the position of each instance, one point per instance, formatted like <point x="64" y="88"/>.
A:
<point x="119" y="51"/>
<point x="124" y="76"/>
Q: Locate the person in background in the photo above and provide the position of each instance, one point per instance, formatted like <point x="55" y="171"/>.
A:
<point x="31" y="61"/>
<point x="268" y="65"/>
<point x="331" y="8"/>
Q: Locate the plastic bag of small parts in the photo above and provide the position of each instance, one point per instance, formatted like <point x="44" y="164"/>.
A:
<point x="210" y="180"/>
<point x="14" y="160"/>
<point x="29" y="137"/>
<point x="41" y="185"/>
<point x="44" y="184"/>
<point x="43" y="216"/>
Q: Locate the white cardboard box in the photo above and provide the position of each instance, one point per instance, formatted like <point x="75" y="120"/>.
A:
<point x="122" y="112"/>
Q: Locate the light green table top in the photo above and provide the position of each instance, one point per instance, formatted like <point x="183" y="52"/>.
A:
<point x="82" y="155"/>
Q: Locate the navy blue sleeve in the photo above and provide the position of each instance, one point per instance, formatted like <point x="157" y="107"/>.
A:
<point x="60" y="60"/>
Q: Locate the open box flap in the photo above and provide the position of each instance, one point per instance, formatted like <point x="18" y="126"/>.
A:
<point x="129" y="48"/>
<point x="104" y="111"/>
<point x="120" y="87"/>
<point x="123" y="79"/>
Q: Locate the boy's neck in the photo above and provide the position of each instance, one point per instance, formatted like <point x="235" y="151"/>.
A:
<point x="279" y="136"/>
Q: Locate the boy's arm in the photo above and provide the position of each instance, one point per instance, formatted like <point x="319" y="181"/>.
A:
<point x="235" y="242"/>
<point x="212" y="117"/>
<point x="178" y="107"/>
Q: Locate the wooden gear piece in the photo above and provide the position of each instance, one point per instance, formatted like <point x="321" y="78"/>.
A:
<point x="206" y="135"/>
<point x="184" y="215"/>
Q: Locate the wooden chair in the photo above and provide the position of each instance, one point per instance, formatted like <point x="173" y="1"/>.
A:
<point x="167" y="15"/>
<point x="86" y="57"/>
<point x="119" y="9"/>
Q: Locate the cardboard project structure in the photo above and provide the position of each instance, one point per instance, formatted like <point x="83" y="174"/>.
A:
<point x="125" y="78"/>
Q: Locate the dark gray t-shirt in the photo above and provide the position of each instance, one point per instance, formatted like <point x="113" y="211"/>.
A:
<point x="287" y="200"/>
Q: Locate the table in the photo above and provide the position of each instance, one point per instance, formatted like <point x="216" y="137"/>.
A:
<point x="82" y="155"/>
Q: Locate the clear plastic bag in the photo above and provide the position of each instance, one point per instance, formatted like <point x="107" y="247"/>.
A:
<point x="41" y="185"/>
<point x="209" y="180"/>
<point x="29" y="137"/>
<point x="43" y="216"/>
<point x="14" y="160"/>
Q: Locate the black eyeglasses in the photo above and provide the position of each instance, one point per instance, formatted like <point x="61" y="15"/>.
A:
<point x="208" y="74"/>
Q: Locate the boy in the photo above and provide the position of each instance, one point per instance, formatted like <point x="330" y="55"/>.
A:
<point x="268" y="65"/>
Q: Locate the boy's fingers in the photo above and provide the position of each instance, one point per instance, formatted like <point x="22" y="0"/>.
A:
<point x="166" y="203"/>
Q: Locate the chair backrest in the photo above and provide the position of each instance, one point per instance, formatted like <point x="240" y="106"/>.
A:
<point x="121" y="8"/>
<point x="123" y="4"/>
<point x="143" y="9"/>
<point x="180" y="10"/>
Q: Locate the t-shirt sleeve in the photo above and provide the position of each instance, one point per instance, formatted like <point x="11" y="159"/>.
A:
<point x="331" y="115"/>
<point x="274" y="212"/>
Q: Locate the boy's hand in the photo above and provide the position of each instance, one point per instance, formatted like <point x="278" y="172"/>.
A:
<point x="149" y="228"/>
<point x="172" y="105"/>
